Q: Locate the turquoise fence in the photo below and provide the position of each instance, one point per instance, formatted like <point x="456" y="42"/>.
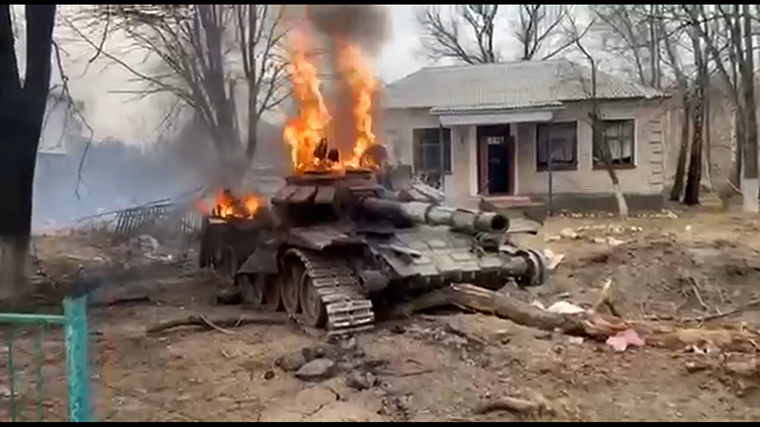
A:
<point x="19" y="330"/>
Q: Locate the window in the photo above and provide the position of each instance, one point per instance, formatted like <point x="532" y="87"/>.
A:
<point x="427" y="149"/>
<point x="618" y="137"/>
<point x="562" y="141"/>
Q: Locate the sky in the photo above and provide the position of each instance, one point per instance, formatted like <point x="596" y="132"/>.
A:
<point x="122" y="117"/>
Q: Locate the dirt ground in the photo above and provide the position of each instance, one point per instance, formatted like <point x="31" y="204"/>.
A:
<point x="434" y="366"/>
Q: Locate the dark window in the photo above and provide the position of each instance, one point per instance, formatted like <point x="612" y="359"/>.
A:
<point x="618" y="137"/>
<point x="427" y="149"/>
<point x="561" y="139"/>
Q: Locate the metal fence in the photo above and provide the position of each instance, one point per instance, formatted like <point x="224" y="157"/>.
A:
<point x="29" y="341"/>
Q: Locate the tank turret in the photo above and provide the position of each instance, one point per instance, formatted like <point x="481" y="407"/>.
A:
<point x="339" y="243"/>
<point x="427" y="213"/>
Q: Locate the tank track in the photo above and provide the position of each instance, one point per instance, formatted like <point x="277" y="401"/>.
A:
<point x="348" y="310"/>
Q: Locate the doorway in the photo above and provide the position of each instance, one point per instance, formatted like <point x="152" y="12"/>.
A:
<point x="495" y="160"/>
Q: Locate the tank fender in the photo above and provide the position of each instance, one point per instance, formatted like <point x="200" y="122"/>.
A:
<point x="262" y="260"/>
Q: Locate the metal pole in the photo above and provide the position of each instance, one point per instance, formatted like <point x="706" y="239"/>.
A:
<point x="77" y="359"/>
<point x="442" y="159"/>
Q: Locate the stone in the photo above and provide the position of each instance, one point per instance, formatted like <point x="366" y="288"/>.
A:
<point x="291" y="362"/>
<point x="316" y="370"/>
<point x="268" y="375"/>
<point x="360" y="380"/>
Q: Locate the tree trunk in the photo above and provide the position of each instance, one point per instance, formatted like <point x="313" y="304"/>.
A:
<point x="17" y="160"/>
<point x="750" y="182"/>
<point x="691" y="196"/>
<point x="22" y="109"/>
<point x="735" y="57"/>
<point x="693" y="182"/>
<point x="707" y="142"/>
<point x="678" y="179"/>
<point x="253" y="122"/>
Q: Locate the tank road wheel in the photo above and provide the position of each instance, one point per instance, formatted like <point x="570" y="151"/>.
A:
<point x="290" y="284"/>
<point x="252" y="288"/>
<point x="314" y="312"/>
<point x="272" y="293"/>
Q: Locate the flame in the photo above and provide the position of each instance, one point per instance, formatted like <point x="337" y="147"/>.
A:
<point x="306" y="133"/>
<point x="227" y="206"/>
<point x="362" y="83"/>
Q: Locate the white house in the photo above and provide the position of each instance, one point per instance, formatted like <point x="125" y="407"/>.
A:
<point x="497" y="122"/>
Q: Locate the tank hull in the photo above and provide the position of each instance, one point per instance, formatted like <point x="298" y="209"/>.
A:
<point x="331" y="250"/>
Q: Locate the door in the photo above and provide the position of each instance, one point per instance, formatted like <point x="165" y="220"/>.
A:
<point x="498" y="165"/>
<point x="495" y="160"/>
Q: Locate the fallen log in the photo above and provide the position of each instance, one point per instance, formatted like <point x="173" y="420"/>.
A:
<point x="587" y="324"/>
<point x="219" y="323"/>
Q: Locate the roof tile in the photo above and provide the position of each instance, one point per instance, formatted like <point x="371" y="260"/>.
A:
<point x="509" y="85"/>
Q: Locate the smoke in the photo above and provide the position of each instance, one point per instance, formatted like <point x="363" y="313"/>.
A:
<point x="366" y="25"/>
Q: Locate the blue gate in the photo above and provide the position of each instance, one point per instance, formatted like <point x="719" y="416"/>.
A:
<point x="74" y="322"/>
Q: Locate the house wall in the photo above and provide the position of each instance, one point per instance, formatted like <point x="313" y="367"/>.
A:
<point x="719" y="138"/>
<point x="645" y="179"/>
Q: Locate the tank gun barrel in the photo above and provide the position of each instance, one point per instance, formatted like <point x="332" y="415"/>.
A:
<point x="426" y="213"/>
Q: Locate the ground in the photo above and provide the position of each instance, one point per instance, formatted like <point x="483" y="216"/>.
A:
<point x="433" y="366"/>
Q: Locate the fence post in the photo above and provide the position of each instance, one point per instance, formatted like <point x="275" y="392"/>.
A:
<point x="77" y="358"/>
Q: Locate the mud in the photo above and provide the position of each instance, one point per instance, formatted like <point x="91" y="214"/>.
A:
<point x="438" y="366"/>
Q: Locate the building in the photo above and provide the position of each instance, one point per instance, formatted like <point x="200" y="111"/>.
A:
<point x="497" y="121"/>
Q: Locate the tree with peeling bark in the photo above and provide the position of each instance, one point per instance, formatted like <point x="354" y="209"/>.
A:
<point x="204" y="52"/>
<point x="22" y="110"/>
<point x="602" y="150"/>
<point x="467" y="33"/>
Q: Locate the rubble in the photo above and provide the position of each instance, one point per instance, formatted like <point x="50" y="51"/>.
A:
<point x="292" y="361"/>
<point x="360" y="380"/>
<point x="316" y="370"/>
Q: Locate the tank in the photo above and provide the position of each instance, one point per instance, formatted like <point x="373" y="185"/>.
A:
<point x="332" y="248"/>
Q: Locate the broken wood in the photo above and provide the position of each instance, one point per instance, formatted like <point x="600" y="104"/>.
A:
<point x="511" y="404"/>
<point x="742" y="308"/>
<point x="586" y="324"/>
<point x="220" y="323"/>
<point x="605" y="300"/>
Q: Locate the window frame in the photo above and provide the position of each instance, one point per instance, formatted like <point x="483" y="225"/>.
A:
<point x="557" y="166"/>
<point x="598" y="164"/>
<point x="420" y="143"/>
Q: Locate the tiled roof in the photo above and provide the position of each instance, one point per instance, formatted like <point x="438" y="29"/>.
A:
<point x="506" y="86"/>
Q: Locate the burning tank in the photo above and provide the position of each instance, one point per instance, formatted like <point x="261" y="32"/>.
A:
<point x="334" y="244"/>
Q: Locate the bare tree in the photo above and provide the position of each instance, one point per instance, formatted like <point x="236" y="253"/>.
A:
<point x="601" y="146"/>
<point x="466" y="33"/>
<point x="443" y="37"/>
<point x="196" y="46"/>
<point x="539" y="25"/>
<point x="602" y="150"/>
<point x="750" y="114"/>
<point x="739" y="82"/>
<point x="693" y="183"/>
<point x="635" y="35"/>
<point x="682" y="80"/>
<point x="22" y="109"/>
